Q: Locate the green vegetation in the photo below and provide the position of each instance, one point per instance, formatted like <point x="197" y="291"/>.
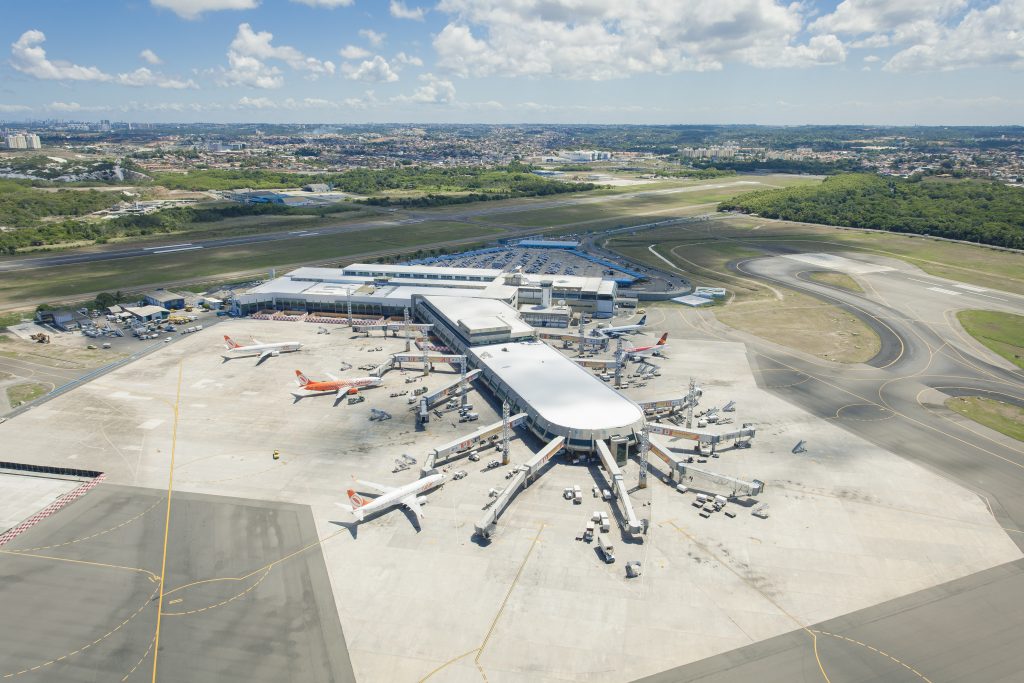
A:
<point x="172" y="220"/>
<point x="976" y="211"/>
<point x="23" y="205"/>
<point x="10" y="319"/>
<point x="1005" y="418"/>
<point x="698" y="173"/>
<point x="514" y="180"/>
<point x="1001" y="332"/>
<point x="76" y="281"/>
<point x="831" y="277"/>
<point x="23" y="393"/>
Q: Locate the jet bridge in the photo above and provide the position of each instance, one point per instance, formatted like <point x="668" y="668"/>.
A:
<point x="668" y="406"/>
<point x="525" y="473"/>
<point x="451" y="359"/>
<point x="442" y="453"/>
<point x="703" y="436"/>
<point x="633" y="524"/>
<point x="451" y="389"/>
<point x="681" y="471"/>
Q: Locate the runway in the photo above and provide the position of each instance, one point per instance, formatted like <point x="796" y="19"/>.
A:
<point x="963" y="630"/>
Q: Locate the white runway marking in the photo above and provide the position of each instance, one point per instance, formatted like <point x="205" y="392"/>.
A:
<point x="151" y="424"/>
<point x="840" y="263"/>
<point x="971" y="288"/>
<point x="940" y="290"/>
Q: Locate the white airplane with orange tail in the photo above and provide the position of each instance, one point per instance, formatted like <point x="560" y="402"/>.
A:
<point x="264" y="350"/>
<point x="335" y="385"/>
<point x="652" y="350"/>
<point x="407" y="495"/>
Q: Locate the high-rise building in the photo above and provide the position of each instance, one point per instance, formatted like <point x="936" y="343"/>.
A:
<point x="23" y="141"/>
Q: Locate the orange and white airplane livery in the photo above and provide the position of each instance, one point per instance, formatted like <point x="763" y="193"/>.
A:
<point x="653" y="350"/>
<point x="335" y="385"/>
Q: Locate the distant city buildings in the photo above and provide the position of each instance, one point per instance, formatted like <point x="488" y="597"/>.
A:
<point x="23" y="141"/>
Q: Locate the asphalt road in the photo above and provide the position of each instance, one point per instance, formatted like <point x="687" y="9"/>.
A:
<point x="967" y="630"/>
<point x="93" y="569"/>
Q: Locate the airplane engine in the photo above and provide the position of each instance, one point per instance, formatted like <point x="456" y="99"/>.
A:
<point x="422" y="500"/>
<point x="275" y="353"/>
<point x="353" y="391"/>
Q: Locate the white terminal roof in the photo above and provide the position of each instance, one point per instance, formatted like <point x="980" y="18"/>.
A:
<point x="557" y="389"/>
<point x="477" y="315"/>
<point x="427" y="271"/>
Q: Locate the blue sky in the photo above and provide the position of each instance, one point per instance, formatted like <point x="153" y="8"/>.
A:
<point x="586" y="61"/>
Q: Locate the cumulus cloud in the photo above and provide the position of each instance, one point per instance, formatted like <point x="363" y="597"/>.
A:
<point x="602" y="39"/>
<point x="856" y="17"/>
<point x="192" y="9"/>
<point x="29" y="57"/>
<point x="13" y="108"/>
<point x="374" y="37"/>
<point x="989" y="36"/>
<point x="354" y="52"/>
<point x="406" y="60"/>
<point x="250" y="51"/>
<point x="434" y="91"/>
<point x="150" y="57"/>
<point x="142" y="77"/>
<point x="399" y="10"/>
<point x="376" y="70"/>
<point x="325" y="3"/>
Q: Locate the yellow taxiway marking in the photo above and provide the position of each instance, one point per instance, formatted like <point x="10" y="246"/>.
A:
<point x="167" y="520"/>
<point x="877" y="651"/>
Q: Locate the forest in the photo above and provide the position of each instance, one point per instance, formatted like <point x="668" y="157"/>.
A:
<point x="971" y="210"/>
<point x="21" y="204"/>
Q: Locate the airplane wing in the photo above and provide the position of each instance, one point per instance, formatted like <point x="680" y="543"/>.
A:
<point x="333" y="378"/>
<point x="264" y="355"/>
<point x="410" y="502"/>
<point x="380" y="488"/>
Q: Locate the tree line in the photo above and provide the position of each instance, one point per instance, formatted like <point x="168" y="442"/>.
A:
<point x="971" y="210"/>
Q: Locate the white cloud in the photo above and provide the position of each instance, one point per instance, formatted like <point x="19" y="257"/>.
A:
<point x="989" y="36"/>
<point x="191" y="9"/>
<point x="29" y="57"/>
<point x="150" y="57"/>
<point x="74" y="107"/>
<point x="857" y="17"/>
<point x="256" y="103"/>
<point x="870" y="59"/>
<point x="248" y="55"/>
<point x="12" y="108"/>
<point x="399" y="10"/>
<point x="354" y="52"/>
<point x="434" y="91"/>
<point x="376" y="70"/>
<point x="603" y="39"/>
<point x="325" y="3"/>
<point x="374" y="37"/>
<point x="406" y="60"/>
<point x="142" y="77"/>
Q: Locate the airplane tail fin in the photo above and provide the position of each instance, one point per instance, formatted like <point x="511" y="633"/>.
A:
<point x="663" y="340"/>
<point x="301" y="379"/>
<point x="355" y="499"/>
<point x="230" y="343"/>
<point x="643" y="320"/>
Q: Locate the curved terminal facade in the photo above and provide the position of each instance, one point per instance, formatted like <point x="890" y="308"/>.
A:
<point x="560" y="397"/>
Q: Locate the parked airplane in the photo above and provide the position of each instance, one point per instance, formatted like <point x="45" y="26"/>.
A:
<point x="339" y="386"/>
<point x="622" y="329"/>
<point x="652" y="350"/>
<point x="264" y="350"/>
<point x="407" y="495"/>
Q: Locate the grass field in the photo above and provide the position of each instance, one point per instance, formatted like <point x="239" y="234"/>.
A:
<point x="1005" y="418"/>
<point x="1001" y="332"/>
<point x="835" y="279"/>
<point x="63" y="282"/>
<point x="23" y="393"/>
<point x="778" y="314"/>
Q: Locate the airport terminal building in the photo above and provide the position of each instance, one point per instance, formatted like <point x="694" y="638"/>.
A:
<point x="386" y="290"/>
